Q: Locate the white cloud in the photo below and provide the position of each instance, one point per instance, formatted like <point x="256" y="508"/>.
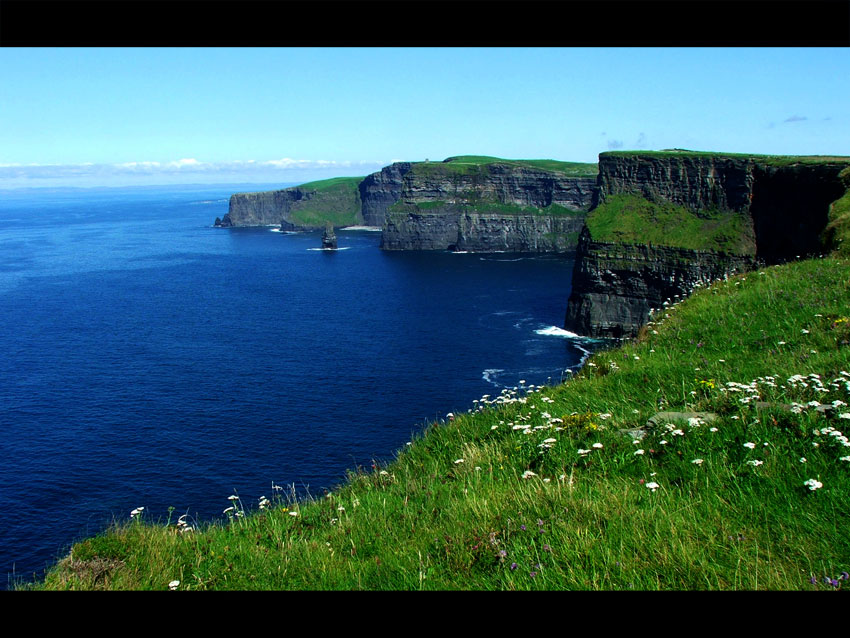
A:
<point x="147" y="171"/>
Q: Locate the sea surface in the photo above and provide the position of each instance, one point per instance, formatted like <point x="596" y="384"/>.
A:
<point x="149" y="359"/>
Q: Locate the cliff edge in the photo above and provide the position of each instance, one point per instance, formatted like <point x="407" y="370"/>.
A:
<point x="667" y="221"/>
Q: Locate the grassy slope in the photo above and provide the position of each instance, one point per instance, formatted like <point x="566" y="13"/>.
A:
<point x="337" y="200"/>
<point x="836" y="236"/>
<point x="631" y="219"/>
<point x="462" y="163"/>
<point x="454" y="511"/>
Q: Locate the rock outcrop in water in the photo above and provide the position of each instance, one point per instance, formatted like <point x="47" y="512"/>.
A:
<point x="329" y="238"/>
<point x="783" y="202"/>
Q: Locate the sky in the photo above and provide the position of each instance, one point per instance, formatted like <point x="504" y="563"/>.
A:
<point x="137" y="116"/>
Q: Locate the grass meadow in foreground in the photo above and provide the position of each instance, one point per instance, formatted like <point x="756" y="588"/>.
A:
<point x="541" y="488"/>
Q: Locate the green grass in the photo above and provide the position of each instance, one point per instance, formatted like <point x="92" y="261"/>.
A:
<point x="631" y="219"/>
<point x="332" y="184"/>
<point x="475" y="164"/>
<point x="336" y="201"/>
<point x="836" y="235"/>
<point x="453" y="510"/>
<point x="772" y="160"/>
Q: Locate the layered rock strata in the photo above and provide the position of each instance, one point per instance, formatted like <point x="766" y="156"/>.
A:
<point x="487" y="208"/>
<point x="786" y="200"/>
<point x="616" y="285"/>
<point x="448" y="228"/>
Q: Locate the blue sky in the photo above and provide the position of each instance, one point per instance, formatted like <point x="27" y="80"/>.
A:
<point x="104" y="116"/>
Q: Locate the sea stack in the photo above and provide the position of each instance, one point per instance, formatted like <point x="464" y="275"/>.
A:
<point x="329" y="238"/>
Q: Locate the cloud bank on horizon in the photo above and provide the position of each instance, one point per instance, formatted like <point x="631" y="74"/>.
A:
<point x="185" y="170"/>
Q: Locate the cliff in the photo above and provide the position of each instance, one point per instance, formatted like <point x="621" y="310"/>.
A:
<point x="615" y="286"/>
<point x="486" y="204"/>
<point x="666" y="221"/>
<point x="310" y="205"/>
<point x="474" y="203"/>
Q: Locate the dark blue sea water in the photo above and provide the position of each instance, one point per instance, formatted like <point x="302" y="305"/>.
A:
<point x="148" y="359"/>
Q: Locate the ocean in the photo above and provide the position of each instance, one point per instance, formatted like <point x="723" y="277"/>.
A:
<point x="151" y="360"/>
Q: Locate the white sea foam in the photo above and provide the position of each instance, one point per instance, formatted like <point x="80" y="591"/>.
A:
<point x="555" y="331"/>
<point x="371" y="229"/>
<point x="489" y="373"/>
<point x="330" y="249"/>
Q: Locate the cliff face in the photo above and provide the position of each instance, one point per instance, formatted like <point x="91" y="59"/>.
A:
<point x="307" y="206"/>
<point x="616" y="285"/>
<point x="784" y="203"/>
<point x="486" y="208"/>
<point x="449" y="228"/>
<point x="260" y="209"/>
<point x="381" y="190"/>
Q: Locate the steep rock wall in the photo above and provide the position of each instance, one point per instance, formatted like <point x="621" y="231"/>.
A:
<point x="261" y="209"/>
<point x="450" y="228"/>
<point x="616" y="285"/>
<point x="486" y="209"/>
<point x="381" y="190"/>
<point x="305" y="206"/>
<point x="787" y="199"/>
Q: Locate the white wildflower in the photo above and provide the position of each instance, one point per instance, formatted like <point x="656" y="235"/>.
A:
<point x="638" y="452"/>
<point x="813" y="485"/>
<point x="802" y="459"/>
<point x="598" y="446"/>
<point x="750" y="445"/>
<point x="174" y="584"/>
<point x="652" y="485"/>
<point x="293" y="513"/>
<point x="459" y="461"/>
<point x="583" y="452"/>
<point x="698" y="461"/>
<point x="755" y="462"/>
<point x="528" y="474"/>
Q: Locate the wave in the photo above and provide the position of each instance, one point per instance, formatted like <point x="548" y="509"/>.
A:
<point x="330" y="250"/>
<point x="555" y="331"/>
<point x="371" y="229"/>
<point x="489" y="373"/>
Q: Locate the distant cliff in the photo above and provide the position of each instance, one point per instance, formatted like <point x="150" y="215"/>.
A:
<point x="486" y="204"/>
<point x="473" y="203"/>
<point x="667" y="220"/>
<point x="310" y="205"/>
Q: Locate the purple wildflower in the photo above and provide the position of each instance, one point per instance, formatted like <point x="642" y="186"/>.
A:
<point x="514" y="566"/>
<point x="546" y="548"/>
<point x="503" y="553"/>
<point x="522" y="527"/>
<point x="813" y="580"/>
<point x="533" y="574"/>
<point x="844" y="576"/>
<point x="834" y="582"/>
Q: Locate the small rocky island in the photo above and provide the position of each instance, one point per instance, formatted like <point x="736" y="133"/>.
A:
<point x="329" y="238"/>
